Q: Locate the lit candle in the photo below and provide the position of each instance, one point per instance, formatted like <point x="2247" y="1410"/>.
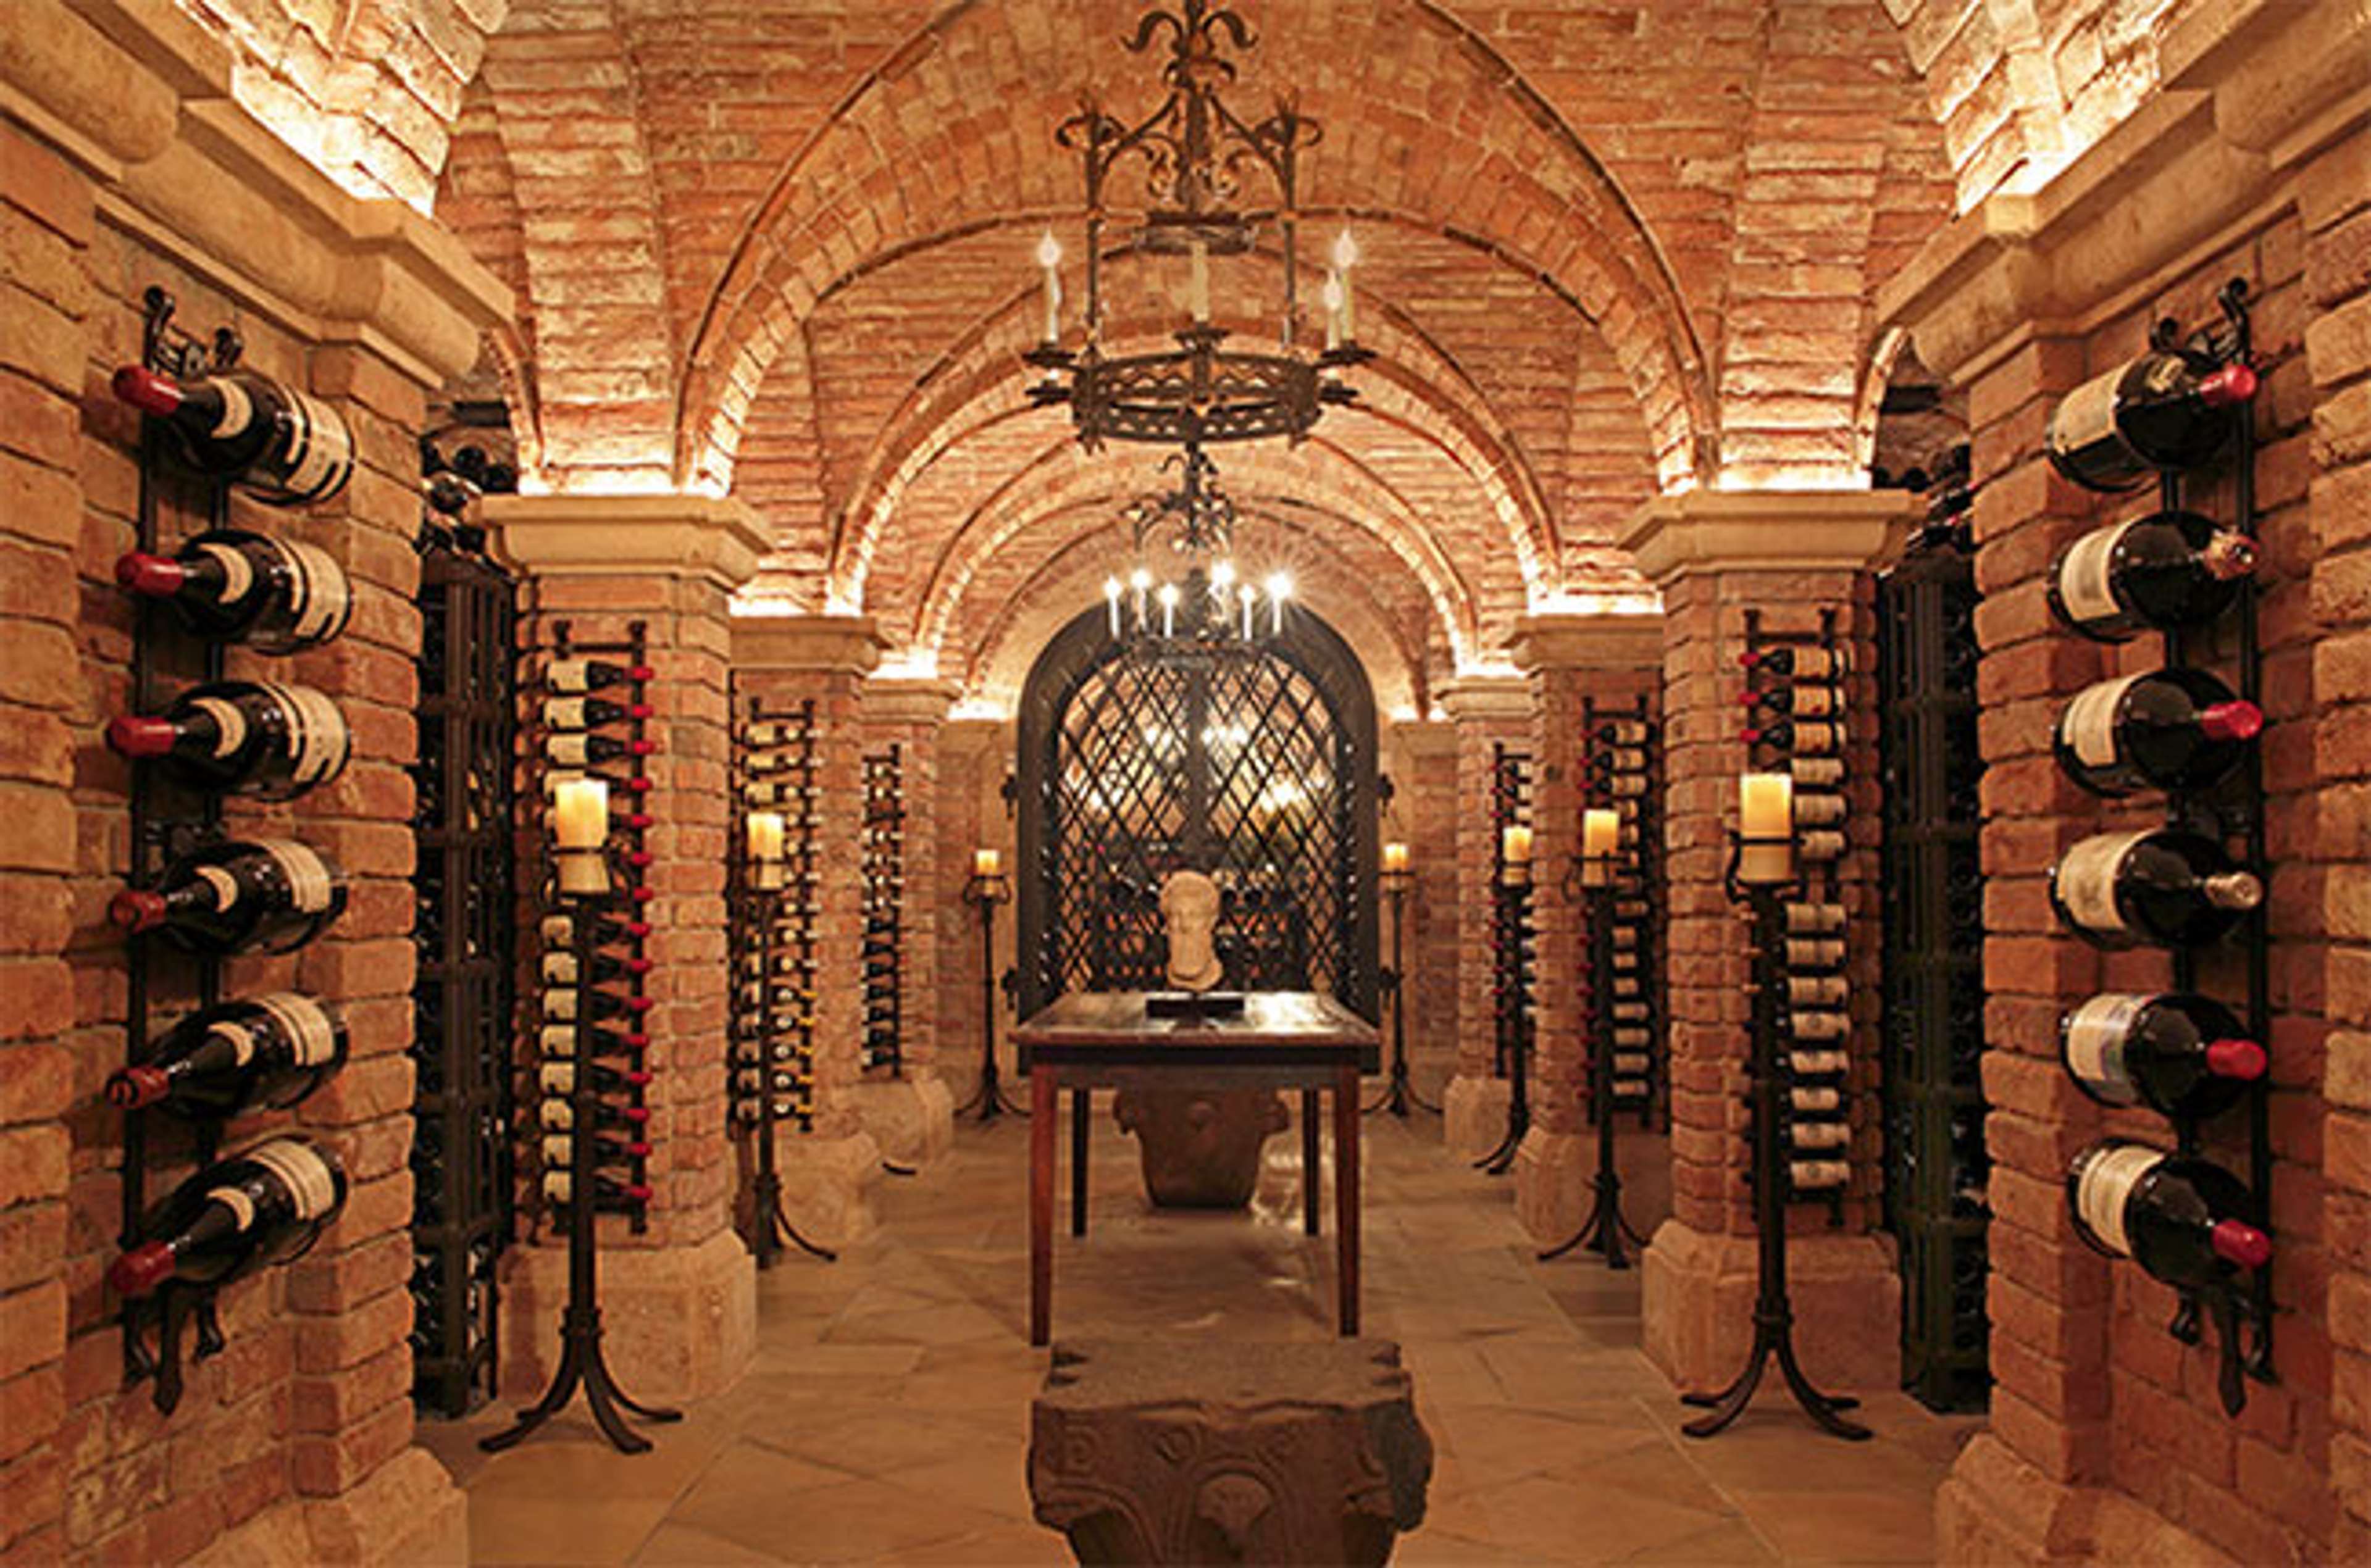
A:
<point x="1345" y="256"/>
<point x="580" y="814"/>
<point x="1395" y="857"/>
<point x="985" y="862"/>
<point x="1244" y="596"/>
<point x="1169" y="609"/>
<point x="1222" y="578"/>
<point x="1049" y="258"/>
<point x="1334" y="293"/>
<point x="765" y="834"/>
<point x="1600" y="830"/>
<point x="1200" y="296"/>
<point x="1515" y="846"/>
<point x="1765" y="825"/>
<point x="1280" y="589"/>
<point x="1111" y="599"/>
<point x="1140" y="580"/>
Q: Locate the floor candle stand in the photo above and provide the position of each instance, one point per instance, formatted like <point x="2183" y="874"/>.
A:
<point x="984" y="892"/>
<point x="1774" y="1312"/>
<point x="1399" y="1094"/>
<point x="581" y="1362"/>
<point x="769" y="1224"/>
<point x="1514" y="890"/>
<point x="1605" y="1228"/>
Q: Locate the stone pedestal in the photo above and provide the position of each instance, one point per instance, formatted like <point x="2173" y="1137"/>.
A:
<point x="677" y="1324"/>
<point x="1699" y="1308"/>
<point x="827" y="1184"/>
<point x="913" y="1119"/>
<point x="1553" y="1176"/>
<point x="1207" y="1453"/>
<point x="1474" y="1115"/>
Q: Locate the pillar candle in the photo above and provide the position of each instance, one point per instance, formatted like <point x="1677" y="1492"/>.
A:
<point x="580" y="814"/>
<point x="766" y="833"/>
<point x="1515" y="846"/>
<point x="985" y="862"/>
<point x="1395" y="857"/>
<point x="1765" y="806"/>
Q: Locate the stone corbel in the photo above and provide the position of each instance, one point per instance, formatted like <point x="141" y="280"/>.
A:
<point x="903" y="700"/>
<point x="833" y="644"/>
<point x="709" y="538"/>
<point x="1590" y="642"/>
<point x="1675" y="537"/>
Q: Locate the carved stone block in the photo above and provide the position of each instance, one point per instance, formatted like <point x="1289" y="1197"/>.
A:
<point x="1200" y="1148"/>
<point x="1199" y="1451"/>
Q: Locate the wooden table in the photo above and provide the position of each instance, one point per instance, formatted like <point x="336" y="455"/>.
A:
<point x="1094" y="1040"/>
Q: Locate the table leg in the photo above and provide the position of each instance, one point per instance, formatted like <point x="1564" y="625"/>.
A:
<point x="1345" y="1193"/>
<point x="1083" y="1108"/>
<point x="1041" y="1206"/>
<point x="1310" y="1183"/>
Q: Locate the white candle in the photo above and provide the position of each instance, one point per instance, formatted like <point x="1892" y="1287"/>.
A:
<point x="765" y="834"/>
<point x="1345" y="256"/>
<point x="1111" y="600"/>
<point x="1049" y="258"/>
<point x="1280" y="589"/>
<point x="1765" y="806"/>
<point x="1246" y="595"/>
<point x="1200" y="296"/>
<point x="1169" y="609"/>
<point x="580" y="814"/>
<point x="1600" y="831"/>
<point x="1395" y="857"/>
<point x="1515" y="846"/>
<point x="985" y="862"/>
<point x="1332" y="310"/>
<point x="1140" y="580"/>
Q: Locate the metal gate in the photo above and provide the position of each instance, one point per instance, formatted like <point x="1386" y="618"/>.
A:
<point x="1255" y="765"/>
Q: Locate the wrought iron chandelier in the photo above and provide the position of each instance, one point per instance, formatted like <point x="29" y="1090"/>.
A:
<point x="1196" y="599"/>
<point x="1196" y="153"/>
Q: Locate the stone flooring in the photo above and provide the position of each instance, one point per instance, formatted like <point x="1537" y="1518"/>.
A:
<point x="887" y="1418"/>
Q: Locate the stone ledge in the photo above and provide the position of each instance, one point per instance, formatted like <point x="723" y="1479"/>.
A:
<point x="1675" y="537"/>
<point x="678" y="1322"/>
<point x="829" y="644"/>
<point x="710" y="537"/>
<point x="1697" y="1309"/>
<point x="1590" y="642"/>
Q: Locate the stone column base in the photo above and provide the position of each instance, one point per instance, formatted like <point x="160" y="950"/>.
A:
<point x="1553" y="1177"/>
<point x="406" y="1512"/>
<point x="913" y="1119"/>
<point x="1995" y="1508"/>
<point x="825" y="1183"/>
<point x="1474" y="1115"/>
<point x="1697" y="1309"/>
<point x="676" y="1322"/>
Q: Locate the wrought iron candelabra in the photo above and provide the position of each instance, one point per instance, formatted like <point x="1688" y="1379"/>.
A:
<point x="1605" y="1228"/>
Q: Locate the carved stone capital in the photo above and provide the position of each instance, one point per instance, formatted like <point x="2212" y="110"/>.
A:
<point x="1588" y="643"/>
<point x="1714" y="532"/>
<point x="903" y="700"/>
<point x="711" y="538"/>
<point x="831" y="645"/>
<point x="1485" y="696"/>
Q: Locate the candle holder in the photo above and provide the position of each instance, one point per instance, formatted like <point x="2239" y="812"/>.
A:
<point x="1514" y="893"/>
<point x="1399" y="1093"/>
<point x="1605" y="1228"/>
<point x="984" y="892"/>
<point x="1751" y="881"/>
<point x="581" y="1362"/>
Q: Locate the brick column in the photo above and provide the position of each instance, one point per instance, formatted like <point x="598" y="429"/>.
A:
<point x="1715" y="555"/>
<point x="1612" y="659"/>
<point x="679" y="1300"/>
<point x="1420" y="758"/>
<point x="1486" y="711"/>
<point x="827" y="1172"/>
<point x="912" y="1117"/>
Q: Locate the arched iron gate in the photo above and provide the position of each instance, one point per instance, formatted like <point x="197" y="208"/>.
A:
<point x="1256" y="767"/>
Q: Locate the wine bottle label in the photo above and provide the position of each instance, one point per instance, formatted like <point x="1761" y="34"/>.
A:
<point x="560" y="1002"/>
<point x="238" y="575"/>
<point x="238" y="409"/>
<point x="557" y="930"/>
<point x="241" y="1206"/>
<point x="1815" y="1099"/>
<point x="2086" y="414"/>
<point x="558" y="1041"/>
<point x="2086" y="880"/>
<point x="556" y="1186"/>
<point x="564" y="712"/>
<point x="323" y="593"/>
<point x="312" y="1036"/>
<point x="1813" y="1064"/>
<point x="324" y="447"/>
<point x="1820" y="1135"/>
<point x="1813" y="809"/>
<point x="1630" y="1062"/>
<point x="569" y="751"/>
<point x="307" y="876"/>
<point x="2085" y="575"/>
<point x="2089" y="725"/>
<point x="1811" y="699"/>
<point x="1817" y="770"/>
<point x="225" y="885"/>
<point x="1818" y="1172"/>
<point x="230" y="724"/>
<point x="558" y="1078"/>
<point x="317" y="732"/>
<point x="1815" y="919"/>
<point x="311" y="1187"/>
<point x="2105" y="1188"/>
<point x="239" y="1038"/>
<point x="1821" y="846"/>
<point x="558" y="1115"/>
<point x="2095" y="1044"/>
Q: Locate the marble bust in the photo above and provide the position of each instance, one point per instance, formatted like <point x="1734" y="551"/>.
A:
<point x="1189" y="915"/>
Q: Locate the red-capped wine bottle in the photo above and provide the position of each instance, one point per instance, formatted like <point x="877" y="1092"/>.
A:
<point x="2179" y="1053"/>
<point x="273" y="595"/>
<point x="587" y="713"/>
<point x="222" y="1060"/>
<point x="576" y="749"/>
<point x="574" y="677"/>
<point x="2172" y="729"/>
<point x="607" y="1151"/>
<point x="558" y="1116"/>
<point x="2160" y="411"/>
<point x="234" y="1218"/>
<point x="560" y="1077"/>
<point x="560" y="930"/>
<point x="2166" y="886"/>
<point x="2180" y="1219"/>
<point x="270" y="897"/>
<point x="242" y="738"/>
<point x="288" y="447"/>
<point x="561" y="968"/>
<point x="2169" y="568"/>
<point x="1797" y="734"/>
<point x="1805" y="662"/>
<point x="607" y="1191"/>
<point x="1807" y="699"/>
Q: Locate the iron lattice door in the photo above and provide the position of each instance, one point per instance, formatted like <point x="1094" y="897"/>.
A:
<point x="1255" y="768"/>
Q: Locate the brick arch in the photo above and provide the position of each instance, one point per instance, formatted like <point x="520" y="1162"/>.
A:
<point x="932" y="137"/>
<point x="1350" y="587"/>
<point x="1271" y="481"/>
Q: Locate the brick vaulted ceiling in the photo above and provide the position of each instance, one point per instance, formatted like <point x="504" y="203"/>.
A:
<point x="782" y="248"/>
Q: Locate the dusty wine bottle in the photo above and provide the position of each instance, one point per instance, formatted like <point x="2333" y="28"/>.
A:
<point x="271" y="897"/>
<point x="286" y="448"/>
<point x="234" y="1218"/>
<point x="273" y="595"/>
<point x="255" y="738"/>
<point x="2171" y="729"/>
<point x="222" y="1060"/>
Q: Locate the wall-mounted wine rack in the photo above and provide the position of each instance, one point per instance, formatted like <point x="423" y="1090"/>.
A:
<point x="769" y="1075"/>
<point x="1797" y="706"/>
<point x="884" y="896"/>
<point x="168" y="821"/>
<point x="1511" y="954"/>
<point x="1624" y="774"/>
<point x="574" y="739"/>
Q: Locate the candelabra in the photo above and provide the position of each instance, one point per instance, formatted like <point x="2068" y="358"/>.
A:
<point x="1398" y="882"/>
<point x="988" y="888"/>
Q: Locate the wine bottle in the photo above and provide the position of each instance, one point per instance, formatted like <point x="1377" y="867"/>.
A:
<point x="288" y="448"/>
<point x="1815" y="952"/>
<point x="2180" y="1219"/>
<point x="226" y="1059"/>
<point x="1816" y="664"/>
<point x="1797" y="734"/>
<point x="1803" y="701"/>
<point x="575" y="676"/>
<point x="2166" y="886"/>
<point x="1814" y="1025"/>
<point x="1816" y="1175"/>
<point x="608" y="1152"/>
<point x="2170" y="568"/>
<point x="586" y="712"/>
<point x="273" y="595"/>
<point x="560" y="1077"/>
<point x="577" y="749"/>
<point x="1818" y="990"/>
<point x="1818" y="808"/>
<point x="273" y="895"/>
<point x="1819" y="1135"/>
<point x="1815" y="1100"/>
<point x="561" y="968"/>
<point x="1816" y="772"/>
<point x="242" y="738"/>
<point x="2171" y="729"/>
<point x="2161" y="411"/>
<point x="560" y="930"/>
<point x="607" y="1191"/>
<point x="2180" y="1054"/>
<point x="567" y="1002"/>
<point x="1814" y="919"/>
<point x="234" y="1218"/>
<point x="558" y="1116"/>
